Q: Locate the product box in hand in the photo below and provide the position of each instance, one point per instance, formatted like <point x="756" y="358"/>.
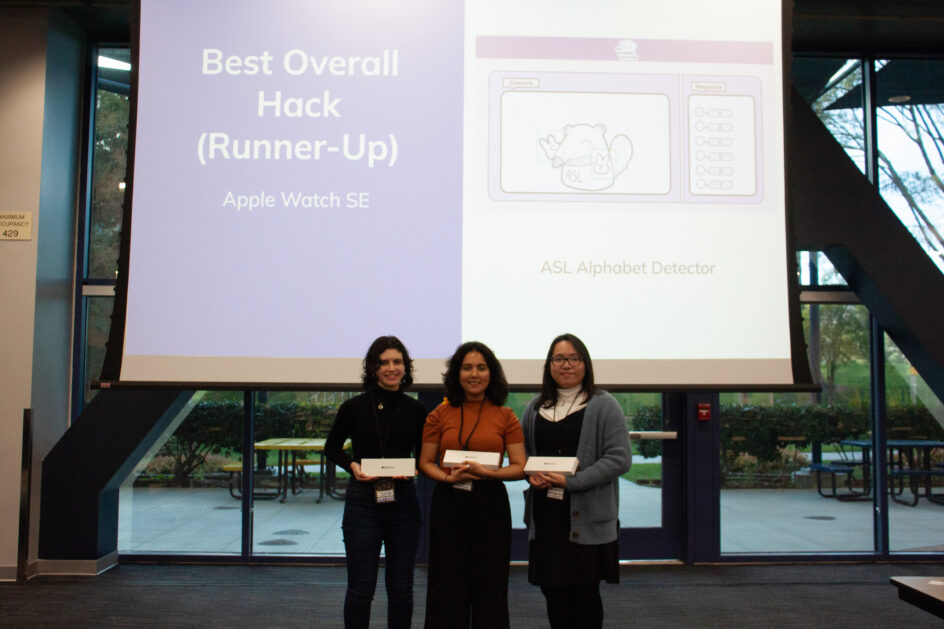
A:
<point x="488" y="460"/>
<point x="388" y="467"/>
<point x="566" y="465"/>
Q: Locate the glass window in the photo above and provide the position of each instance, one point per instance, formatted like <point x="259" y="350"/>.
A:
<point x="641" y="490"/>
<point x="299" y="494"/>
<point x="915" y="457"/>
<point x="183" y="496"/>
<point x="817" y="270"/>
<point x="107" y="190"/>
<point x="792" y="477"/>
<point x="833" y="88"/>
<point x="843" y="348"/>
<point x="911" y="147"/>
<point x="97" y="324"/>
<point x="109" y="158"/>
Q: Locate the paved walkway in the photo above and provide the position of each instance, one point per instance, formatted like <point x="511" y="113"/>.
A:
<point x="800" y="520"/>
<point x="207" y="521"/>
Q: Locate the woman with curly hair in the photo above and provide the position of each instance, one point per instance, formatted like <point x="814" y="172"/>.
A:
<point x="382" y="422"/>
<point x="470" y="520"/>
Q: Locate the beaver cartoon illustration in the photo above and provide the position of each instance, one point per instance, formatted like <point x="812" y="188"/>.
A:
<point x="587" y="161"/>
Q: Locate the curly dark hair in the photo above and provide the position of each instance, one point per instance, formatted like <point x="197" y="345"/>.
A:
<point x="372" y="361"/>
<point x="497" y="390"/>
<point x="549" y="387"/>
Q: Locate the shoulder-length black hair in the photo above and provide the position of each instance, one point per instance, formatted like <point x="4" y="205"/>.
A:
<point x="549" y="387"/>
<point x="372" y="362"/>
<point x="497" y="389"/>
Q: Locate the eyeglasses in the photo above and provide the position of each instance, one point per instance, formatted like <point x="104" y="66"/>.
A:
<point x="573" y="359"/>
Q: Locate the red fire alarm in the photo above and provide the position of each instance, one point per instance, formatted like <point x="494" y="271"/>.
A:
<point x="704" y="412"/>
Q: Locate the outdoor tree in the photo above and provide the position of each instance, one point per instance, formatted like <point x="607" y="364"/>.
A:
<point x="110" y="146"/>
<point x="910" y="156"/>
<point x="914" y="128"/>
<point x="844" y="339"/>
<point x="110" y="158"/>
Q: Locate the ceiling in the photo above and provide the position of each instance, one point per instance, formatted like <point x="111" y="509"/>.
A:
<point x="860" y="27"/>
<point x="907" y="34"/>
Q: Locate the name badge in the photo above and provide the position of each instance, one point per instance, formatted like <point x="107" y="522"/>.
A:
<point x="555" y="493"/>
<point x="465" y="485"/>
<point x="383" y="491"/>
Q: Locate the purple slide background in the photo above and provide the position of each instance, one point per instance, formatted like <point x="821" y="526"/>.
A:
<point x="206" y="280"/>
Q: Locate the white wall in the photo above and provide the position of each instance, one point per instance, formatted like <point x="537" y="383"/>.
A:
<point x="22" y="81"/>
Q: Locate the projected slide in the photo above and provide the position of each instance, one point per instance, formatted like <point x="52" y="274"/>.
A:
<point x="593" y="138"/>
<point x="624" y="180"/>
<point x="309" y="175"/>
<point x="578" y="142"/>
<point x="290" y="160"/>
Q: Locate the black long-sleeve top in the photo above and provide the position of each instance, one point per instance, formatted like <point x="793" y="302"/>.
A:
<point x="398" y="422"/>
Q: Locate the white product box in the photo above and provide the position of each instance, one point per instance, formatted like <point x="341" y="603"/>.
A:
<point x="488" y="460"/>
<point x="388" y="467"/>
<point x="566" y="465"/>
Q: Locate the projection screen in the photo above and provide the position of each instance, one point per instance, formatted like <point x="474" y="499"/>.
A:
<point x="308" y="175"/>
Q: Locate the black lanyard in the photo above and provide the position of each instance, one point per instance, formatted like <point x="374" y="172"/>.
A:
<point x="465" y="446"/>
<point x="382" y="438"/>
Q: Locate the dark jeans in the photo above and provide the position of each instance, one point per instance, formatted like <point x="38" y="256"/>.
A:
<point x="469" y="548"/>
<point x="574" y="607"/>
<point x="366" y="525"/>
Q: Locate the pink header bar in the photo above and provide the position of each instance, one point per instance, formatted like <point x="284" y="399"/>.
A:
<point x="604" y="49"/>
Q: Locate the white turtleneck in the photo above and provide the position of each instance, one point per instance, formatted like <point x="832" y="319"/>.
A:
<point x="568" y="401"/>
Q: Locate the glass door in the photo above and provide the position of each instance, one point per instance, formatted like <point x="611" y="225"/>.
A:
<point x="650" y="492"/>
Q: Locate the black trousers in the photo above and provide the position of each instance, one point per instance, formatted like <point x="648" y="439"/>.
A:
<point x="574" y="607"/>
<point x="367" y="525"/>
<point x="469" y="550"/>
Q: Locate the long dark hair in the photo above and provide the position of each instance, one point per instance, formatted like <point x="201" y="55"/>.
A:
<point x="497" y="389"/>
<point x="549" y="387"/>
<point x="372" y="362"/>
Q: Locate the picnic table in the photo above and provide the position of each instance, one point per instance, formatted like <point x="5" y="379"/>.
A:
<point x="291" y="473"/>
<point x="907" y="460"/>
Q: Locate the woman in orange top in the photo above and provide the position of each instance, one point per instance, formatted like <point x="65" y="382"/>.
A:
<point x="470" y="520"/>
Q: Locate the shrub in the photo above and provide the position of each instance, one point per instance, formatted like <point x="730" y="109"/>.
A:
<point x="214" y="427"/>
<point x="648" y="418"/>
<point x="762" y="433"/>
<point x="759" y="430"/>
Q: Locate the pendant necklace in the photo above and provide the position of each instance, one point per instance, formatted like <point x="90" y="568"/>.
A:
<point x="572" y="402"/>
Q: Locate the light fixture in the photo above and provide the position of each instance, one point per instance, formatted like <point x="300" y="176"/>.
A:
<point x="847" y="68"/>
<point x="898" y="100"/>
<point x="114" y="64"/>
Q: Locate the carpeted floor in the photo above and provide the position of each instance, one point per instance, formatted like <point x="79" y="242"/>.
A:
<point x="802" y="596"/>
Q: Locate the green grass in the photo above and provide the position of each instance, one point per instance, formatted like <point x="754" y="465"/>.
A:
<point x="644" y="471"/>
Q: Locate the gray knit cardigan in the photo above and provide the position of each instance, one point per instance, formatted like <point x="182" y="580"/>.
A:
<point x="603" y="453"/>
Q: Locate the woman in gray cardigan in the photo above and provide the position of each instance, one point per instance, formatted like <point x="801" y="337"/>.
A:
<point x="572" y="520"/>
